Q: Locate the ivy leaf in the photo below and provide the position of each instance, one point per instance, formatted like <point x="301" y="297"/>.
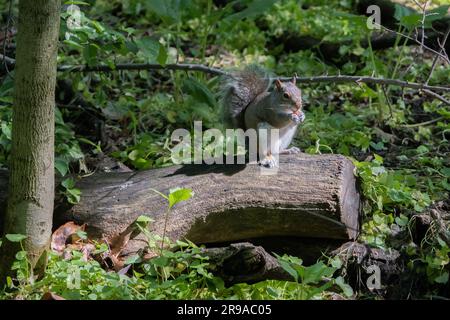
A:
<point x="68" y="183"/>
<point x="62" y="166"/>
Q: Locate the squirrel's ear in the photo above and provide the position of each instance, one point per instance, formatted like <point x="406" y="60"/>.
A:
<point x="294" y="78"/>
<point x="278" y="84"/>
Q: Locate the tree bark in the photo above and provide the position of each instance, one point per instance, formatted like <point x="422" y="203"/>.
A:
<point x="31" y="183"/>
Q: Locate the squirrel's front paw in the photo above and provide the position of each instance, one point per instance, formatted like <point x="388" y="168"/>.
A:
<point x="268" y="162"/>
<point x="298" y="117"/>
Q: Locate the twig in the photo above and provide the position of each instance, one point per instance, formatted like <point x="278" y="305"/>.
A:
<point x="416" y="41"/>
<point x="383" y="87"/>
<point x="435" y="95"/>
<point x="7" y="60"/>
<point x="143" y="66"/>
<point x="436" y="57"/>
<point x="220" y="72"/>
<point x="365" y="79"/>
<point x="426" y="123"/>
<point x="424" y="16"/>
<point x="215" y="71"/>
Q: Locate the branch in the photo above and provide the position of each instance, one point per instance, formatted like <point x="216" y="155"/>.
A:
<point x="442" y="50"/>
<point x="364" y="79"/>
<point x="220" y="72"/>
<point x="443" y="56"/>
<point x="9" y="61"/>
<point x="436" y="96"/>
<point x="215" y="71"/>
<point x="142" y="66"/>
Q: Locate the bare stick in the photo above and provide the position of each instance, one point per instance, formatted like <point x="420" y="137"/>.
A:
<point x="220" y="72"/>
<point x="7" y="60"/>
<point x="364" y="79"/>
<point x="443" y="56"/>
<point x="436" y="96"/>
<point x="215" y="71"/>
<point x="143" y="66"/>
<point x="426" y="123"/>
<point x="436" y="57"/>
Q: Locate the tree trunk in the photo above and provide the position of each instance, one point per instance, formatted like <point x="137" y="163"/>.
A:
<point x="31" y="183"/>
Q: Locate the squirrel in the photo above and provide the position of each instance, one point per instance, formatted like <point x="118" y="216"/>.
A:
<point x="248" y="103"/>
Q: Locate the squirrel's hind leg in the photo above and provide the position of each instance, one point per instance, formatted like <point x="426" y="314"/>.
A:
<point x="269" y="161"/>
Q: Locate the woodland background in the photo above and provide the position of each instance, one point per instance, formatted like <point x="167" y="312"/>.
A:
<point x="397" y="137"/>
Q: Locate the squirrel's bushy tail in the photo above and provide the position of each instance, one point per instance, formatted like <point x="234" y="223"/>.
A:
<point x="239" y="90"/>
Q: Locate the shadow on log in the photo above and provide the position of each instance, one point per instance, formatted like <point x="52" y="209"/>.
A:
<point x="308" y="197"/>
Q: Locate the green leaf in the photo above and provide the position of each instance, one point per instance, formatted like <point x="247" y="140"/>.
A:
<point x="78" y="3"/>
<point x="160" y="261"/>
<point x="73" y="195"/>
<point x="316" y="272"/>
<point x="178" y="195"/>
<point x="199" y="91"/>
<point x="133" y="155"/>
<point x="402" y="11"/>
<point x="6" y="130"/>
<point x="15" y="237"/>
<point x="62" y="166"/>
<point x="346" y="289"/>
<point x="73" y="44"/>
<point x="21" y="255"/>
<point x="254" y="9"/>
<point x="168" y="10"/>
<point x="133" y="259"/>
<point x="162" y="55"/>
<point x="443" y="278"/>
<point x="287" y="267"/>
<point x="422" y="149"/>
<point x="436" y="14"/>
<point x="182" y="244"/>
<point x="90" y="53"/>
<point x="82" y="234"/>
<point x="68" y="183"/>
<point x="149" y="47"/>
<point x="446" y="172"/>
<point x="144" y="219"/>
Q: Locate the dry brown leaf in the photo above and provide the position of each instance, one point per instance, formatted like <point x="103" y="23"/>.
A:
<point x="62" y="234"/>
<point x="119" y="242"/>
<point x="51" y="296"/>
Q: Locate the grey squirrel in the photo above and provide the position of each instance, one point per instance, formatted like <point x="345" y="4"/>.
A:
<point x="248" y="103"/>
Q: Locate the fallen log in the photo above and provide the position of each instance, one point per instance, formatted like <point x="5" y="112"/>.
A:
<point x="309" y="197"/>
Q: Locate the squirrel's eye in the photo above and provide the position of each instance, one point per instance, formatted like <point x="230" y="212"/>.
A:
<point x="286" y="95"/>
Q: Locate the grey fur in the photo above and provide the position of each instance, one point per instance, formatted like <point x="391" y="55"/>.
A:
<point x="239" y="90"/>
